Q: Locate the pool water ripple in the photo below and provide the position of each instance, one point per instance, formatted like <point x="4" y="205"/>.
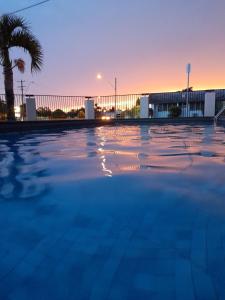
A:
<point x="109" y="213"/>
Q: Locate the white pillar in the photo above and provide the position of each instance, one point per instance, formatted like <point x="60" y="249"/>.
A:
<point x="89" y="109"/>
<point x="31" y="113"/>
<point x="144" y="107"/>
<point x="210" y="104"/>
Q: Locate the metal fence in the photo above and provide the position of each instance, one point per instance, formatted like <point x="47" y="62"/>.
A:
<point x="51" y="107"/>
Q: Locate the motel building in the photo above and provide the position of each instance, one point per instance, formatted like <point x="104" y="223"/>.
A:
<point x="204" y="103"/>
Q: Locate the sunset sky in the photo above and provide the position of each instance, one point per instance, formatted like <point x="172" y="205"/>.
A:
<point x="144" y="43"/>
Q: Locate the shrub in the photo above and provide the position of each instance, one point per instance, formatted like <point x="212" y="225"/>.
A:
<point x="174" y="111"/>
<point x="44" y="112"/>
<point x="59" y="114"/>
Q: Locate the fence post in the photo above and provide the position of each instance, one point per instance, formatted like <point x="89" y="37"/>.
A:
<point x="144" y="107"/>
<point x="210" y="104"/>
<point x="89" y="109"/>
<point x="31" y="113"/>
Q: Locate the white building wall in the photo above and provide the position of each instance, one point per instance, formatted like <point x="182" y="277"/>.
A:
<point x="210" y="104"/>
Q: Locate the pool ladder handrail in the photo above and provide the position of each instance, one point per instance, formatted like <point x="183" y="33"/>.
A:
<point x="219" y="113"/>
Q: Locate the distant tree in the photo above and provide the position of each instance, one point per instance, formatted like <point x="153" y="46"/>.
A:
<point x="174" y="111"/>
<point x="72" y="113"/>
<point x="190" y="89"/>
<point x="98" y="111"/>
<point x="138" y="102"/>
<point x="58" y="114"/>
<point x="15" y="33"/>
<point x="135" y="112"/>
<point x="81" y="114"/>
<point x="44" y="112"/>
<point x="97" y="107"/>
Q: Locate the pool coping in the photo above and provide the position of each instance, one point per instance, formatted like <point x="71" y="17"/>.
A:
<point x="6" y="127"/>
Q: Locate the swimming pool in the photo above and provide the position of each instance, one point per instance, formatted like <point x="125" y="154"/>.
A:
<point x="133" y="212"/>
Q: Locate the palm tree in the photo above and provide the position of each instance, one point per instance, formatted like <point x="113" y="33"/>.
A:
<point x="14" y="32"/>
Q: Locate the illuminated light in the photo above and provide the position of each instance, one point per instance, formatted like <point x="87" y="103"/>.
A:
<point x="17" y="109"/>
<point x="99" y="76"/>
<point x="106" y="118"/>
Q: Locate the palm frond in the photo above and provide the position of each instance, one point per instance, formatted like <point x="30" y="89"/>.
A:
<point x="20" y="64"/>
<point x="28" y="42"/>
<point x="9" y="23"/>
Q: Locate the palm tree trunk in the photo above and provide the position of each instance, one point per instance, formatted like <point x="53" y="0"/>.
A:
<point x="9" y="93"/>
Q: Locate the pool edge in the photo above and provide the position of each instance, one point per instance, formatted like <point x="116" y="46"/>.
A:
<point x="6" y="127"/>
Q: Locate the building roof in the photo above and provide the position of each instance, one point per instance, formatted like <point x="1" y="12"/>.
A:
<point x="179" y="97"/>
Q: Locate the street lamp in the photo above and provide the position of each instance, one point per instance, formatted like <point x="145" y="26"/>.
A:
<point x="99" y="77"/>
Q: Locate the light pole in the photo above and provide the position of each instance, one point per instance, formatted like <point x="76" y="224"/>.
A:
<point x="188" y="71"/>
<point x="99" y="77"/>
<point x="115" y="96"/>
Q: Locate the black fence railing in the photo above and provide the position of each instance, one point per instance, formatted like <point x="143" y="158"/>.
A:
<point x="73" y="107"/>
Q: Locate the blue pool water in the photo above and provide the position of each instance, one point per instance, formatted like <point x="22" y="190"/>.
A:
<point x="114" y="213"/>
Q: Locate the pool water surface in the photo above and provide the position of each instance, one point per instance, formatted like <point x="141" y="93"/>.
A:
<point x="116" y="213"/>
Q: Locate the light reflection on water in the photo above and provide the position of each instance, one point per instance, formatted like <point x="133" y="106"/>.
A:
<point x="31" y="164"/>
